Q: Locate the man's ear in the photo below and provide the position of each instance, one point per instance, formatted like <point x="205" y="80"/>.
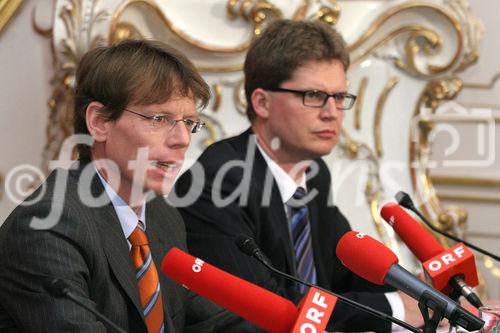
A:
<point x="97" y="123"/>
<point x="261" y="102"/>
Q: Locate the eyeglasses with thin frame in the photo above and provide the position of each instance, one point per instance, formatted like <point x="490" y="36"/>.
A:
<point x="318" y="98"/>
<point x="162" y="120"/>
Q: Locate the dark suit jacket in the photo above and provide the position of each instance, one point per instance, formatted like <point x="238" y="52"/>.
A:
<point x="88" y="250"/>
<point x="261" y="215"/>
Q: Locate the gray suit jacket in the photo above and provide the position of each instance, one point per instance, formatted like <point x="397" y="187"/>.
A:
<point x="87" y="249"/>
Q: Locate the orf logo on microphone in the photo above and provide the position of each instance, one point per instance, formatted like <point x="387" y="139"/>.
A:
<point x="315" y="310"/>
<point x="456" y="260"/>
<point x="198" y="265"/>
<point x="391" y="221"/>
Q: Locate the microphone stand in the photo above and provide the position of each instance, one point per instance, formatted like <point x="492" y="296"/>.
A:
<point x="247" y="245"/>
<point x="404" y="200"/>
<point x="431" y="323"/>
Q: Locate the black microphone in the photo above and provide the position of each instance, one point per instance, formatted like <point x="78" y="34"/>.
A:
<point x="405" y="200"/>
<point x="59" y="288"/>
<point x="248" y="246"/>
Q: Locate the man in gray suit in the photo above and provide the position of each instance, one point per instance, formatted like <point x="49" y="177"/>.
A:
<point x="103" y="224"/>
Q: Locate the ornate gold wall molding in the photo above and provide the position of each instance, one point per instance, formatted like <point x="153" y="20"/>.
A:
<point x="359" y="102"/>
<point x="8" y="9"/>
<point x="470" y="198"/>
<point x="397" y="37"/>
<point x="466" y="181"/>
<point x="422" y="40"/>
<point x="418" y="35"/>
<point x="256" y="12"/>
<point x="434" y="94"/>
<point x="79" y="18"/>
<point x="450" y="219"/>
<point x="44" y="32"/>
<point x="379" y="111"/>
<point x="484" y="86"/>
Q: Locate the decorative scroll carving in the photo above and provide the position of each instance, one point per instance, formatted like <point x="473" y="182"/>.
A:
<point x="419" y="39"/>
<point x="45" y="32"/>
<point x="329" y="15"/>
<point x="359" y="103"/>
<point x="374" y="190"/>
<point x="434" y="94"/>
<point x="403" y="36"/>
<point x="79" y="18"/>
<point x="377" y="132"/>
<point x="258" y="12"/>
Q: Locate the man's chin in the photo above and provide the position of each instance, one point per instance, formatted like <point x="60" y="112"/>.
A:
<point x="160" y="189"/>
<point x="324" y="149"/>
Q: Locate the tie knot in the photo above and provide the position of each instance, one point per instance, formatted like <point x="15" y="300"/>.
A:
<point x="297" y="200"/>
<point x="138" y="237"/>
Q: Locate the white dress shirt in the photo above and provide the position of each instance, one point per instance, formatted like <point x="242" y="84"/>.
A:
<point x="127" y="217"/>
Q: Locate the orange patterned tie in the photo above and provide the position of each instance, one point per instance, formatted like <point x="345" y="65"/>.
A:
<point x="147" y="280"/>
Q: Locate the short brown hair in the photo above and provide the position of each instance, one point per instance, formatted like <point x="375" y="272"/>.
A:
<point x="284" y="46"/>
<point x="133" y="72"/>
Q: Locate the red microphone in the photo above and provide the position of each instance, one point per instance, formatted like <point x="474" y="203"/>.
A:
<point x="423" y="245"/>
<point x="253" y="303"/>
<point x="447" y="269"/>
<point x="374" y="262"/>
<point x="316" y="308"/>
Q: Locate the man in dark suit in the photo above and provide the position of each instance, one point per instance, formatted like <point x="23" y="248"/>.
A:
<point x="103" y="226"/>
<point x="270" y="182"/>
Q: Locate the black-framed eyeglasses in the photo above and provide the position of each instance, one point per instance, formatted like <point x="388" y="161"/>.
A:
<point x="164" y="121"/>
<point x="318" y="98"/>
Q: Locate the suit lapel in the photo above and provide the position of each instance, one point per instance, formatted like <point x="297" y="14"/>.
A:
<point x="115" y="246"/>
<point x="157" y="227"/>
<point x="276" y="209"/>
<point x="316" y="228"/>
<point x="280" y="221"/>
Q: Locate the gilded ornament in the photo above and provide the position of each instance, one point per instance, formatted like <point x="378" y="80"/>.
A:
<point x="328" y="15"/>
<point x="421" y="39"/>
<point x="377" y="131"/>
<point x="300" y="12"/>
<point x="214" y="129"/>
<point x="125" y="30"/>
<point x="217" y="89"/>
<point x="78" y="17"/>
<point x="8" y="9"/>
<point x="258" y="12"/>
<point x="359" y="102"/>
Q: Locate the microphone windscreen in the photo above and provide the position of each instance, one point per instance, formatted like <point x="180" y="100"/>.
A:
<point x="420" y="241"/>
<point x="365" y="256"/>
<point x="251" y="302"/>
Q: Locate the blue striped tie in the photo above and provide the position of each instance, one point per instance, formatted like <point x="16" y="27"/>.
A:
<point x="301" y="234"/>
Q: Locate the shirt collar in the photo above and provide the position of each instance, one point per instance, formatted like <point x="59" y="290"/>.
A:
<point x="286" y="184"/>
<point x="127" y="217"/>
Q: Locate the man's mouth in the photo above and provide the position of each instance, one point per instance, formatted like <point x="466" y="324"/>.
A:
<point x="166" y="166"/>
